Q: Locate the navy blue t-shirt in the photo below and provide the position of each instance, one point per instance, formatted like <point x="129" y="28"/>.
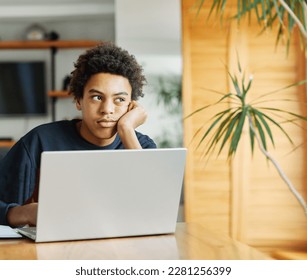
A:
<point x="20" y="167"/>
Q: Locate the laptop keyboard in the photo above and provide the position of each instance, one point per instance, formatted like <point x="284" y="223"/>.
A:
<point x="31" y="230"/>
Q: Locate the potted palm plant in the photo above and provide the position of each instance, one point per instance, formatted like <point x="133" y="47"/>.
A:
<point x="226" y="126"/>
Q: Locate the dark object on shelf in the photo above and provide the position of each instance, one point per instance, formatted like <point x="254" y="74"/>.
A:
<point x="52" y="36"/>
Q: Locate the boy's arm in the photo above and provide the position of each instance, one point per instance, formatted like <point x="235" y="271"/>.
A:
<point x="135" y="117"/>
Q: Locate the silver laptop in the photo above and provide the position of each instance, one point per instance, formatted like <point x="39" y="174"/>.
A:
<point x="106" y="194"/>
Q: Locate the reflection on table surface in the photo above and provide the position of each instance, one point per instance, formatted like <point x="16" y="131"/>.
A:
<point x="190" y="241"/>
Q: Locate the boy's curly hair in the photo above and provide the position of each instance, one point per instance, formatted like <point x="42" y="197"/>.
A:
<point x="106" y="58"/>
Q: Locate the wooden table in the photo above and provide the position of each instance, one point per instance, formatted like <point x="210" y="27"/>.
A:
<point x="290" y="255"/>
<point x="191" y="241"/>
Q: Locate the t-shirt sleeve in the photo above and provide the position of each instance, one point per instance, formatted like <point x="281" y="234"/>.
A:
<point x="17" y="179"/>
<point x="146" y="142"/>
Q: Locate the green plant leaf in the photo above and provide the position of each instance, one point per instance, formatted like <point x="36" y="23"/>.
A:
<point x="216" y="117"/>
<point x="216" y="3"/>
<point x="252" y="139"/>
<point x="267" y="13"/>
<point x="238" y="132"/>
<point x="209" y="130"/>
<point x="199" y="6"/>
<point x="279" y="126"/>
<point x="285" y="112"/>
<point x="230" y="127"/>
<point x="257" y="13"/>
<point x="263" y="10"/>
<point x="249" y="84"/>
<point x="223" y="6"/>
<point x="238" y="62"/>
<point x="299" y="83"/>
<point x="261" y="133"/>
<point x="267" y="127"/>
<point x="210" y="105"/>
<point x="235" y="84"/>
<point x="288" y="100"/>
<point x="277" y="11"/>
<point x="218" y="134"/>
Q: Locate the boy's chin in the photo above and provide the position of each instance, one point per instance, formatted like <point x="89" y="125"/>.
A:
<point x="107" y="134"/>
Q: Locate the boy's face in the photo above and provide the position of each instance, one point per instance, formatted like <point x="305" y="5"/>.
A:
<point x="106" y="98"/>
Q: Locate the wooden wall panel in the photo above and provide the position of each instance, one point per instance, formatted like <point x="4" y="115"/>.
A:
<point x="245" y="197"/>
<point x="206" y="199"/>
<point x="272" y="213"/>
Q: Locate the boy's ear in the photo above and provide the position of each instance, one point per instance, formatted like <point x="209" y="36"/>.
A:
<point x="78" y="105"/>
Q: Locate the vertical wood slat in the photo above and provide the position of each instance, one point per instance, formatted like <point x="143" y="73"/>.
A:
<point x="240" y="165"/>
<point x="206" y="200"/>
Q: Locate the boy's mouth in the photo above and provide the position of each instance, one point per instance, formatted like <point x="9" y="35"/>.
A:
<point x="106" y="122"/>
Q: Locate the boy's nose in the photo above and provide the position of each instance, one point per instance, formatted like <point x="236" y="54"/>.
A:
<point x="107" y="107"/>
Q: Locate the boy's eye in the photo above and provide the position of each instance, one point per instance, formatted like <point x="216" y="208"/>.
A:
<point x="97" y="98"/>
<point x="120" y="100"/>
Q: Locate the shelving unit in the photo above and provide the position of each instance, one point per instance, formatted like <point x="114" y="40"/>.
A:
<point x="6" y="144"/>
<point x="58" y="94"/>
<point x="69" y="44"/>
<point x="53" y="46"/>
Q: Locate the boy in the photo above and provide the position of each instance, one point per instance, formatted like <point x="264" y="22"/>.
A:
<point x="106" y="83"/>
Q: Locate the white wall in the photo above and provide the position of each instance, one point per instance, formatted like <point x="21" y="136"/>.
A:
<point x="151" y="30"/>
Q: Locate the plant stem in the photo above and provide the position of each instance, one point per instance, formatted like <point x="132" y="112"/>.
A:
<point x="278" y="168"/>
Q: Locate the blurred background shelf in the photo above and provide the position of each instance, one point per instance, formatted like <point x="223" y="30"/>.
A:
<point x="58" y="93"/>
<point x="68" y="44"/>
